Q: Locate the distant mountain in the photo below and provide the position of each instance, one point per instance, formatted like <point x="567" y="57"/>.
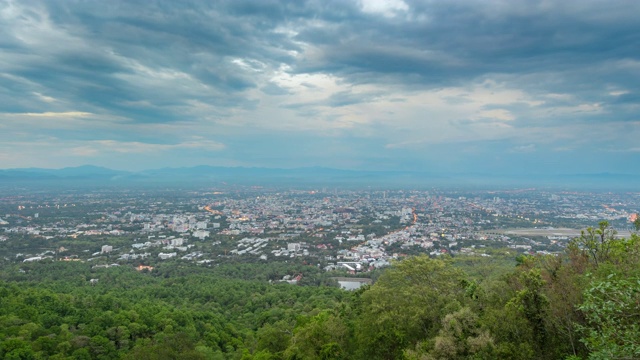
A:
<point x="200" y="175"/>
<point x="23" y="174"/>
<point x="307" y="176"/>
<point x="88" y="170"/>
<point x="70" y="173"/>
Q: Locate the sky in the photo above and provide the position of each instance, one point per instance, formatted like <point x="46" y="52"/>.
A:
<point x="456" y="86"/>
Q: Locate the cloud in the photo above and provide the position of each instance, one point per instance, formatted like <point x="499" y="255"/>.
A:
<point x="384" y="7"/>
<point x="44" y="98"/>
<point x="524" y="148"/>
<point x="141" y="147"/>
<point x="373" y="78"/>
<point x="496" y="114"/>
<point x="67" y="114"/>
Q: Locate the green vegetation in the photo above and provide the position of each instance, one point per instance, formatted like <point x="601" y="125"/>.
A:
<point x="582" y="304"/>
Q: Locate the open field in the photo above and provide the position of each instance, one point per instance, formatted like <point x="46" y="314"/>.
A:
<point x="548" y="232"/>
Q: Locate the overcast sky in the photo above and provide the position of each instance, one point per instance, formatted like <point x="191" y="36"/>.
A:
<point x="442" y="86"/>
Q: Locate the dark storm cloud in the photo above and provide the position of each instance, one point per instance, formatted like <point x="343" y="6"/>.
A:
<point x="429" y="44"/>
<point x="575" y="47"/>
<point x="480" y="37"/>
<point x="211" y="64"/>
<point x="107" y="50"/>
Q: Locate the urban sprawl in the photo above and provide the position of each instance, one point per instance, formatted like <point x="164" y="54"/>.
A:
<point x="338" y="230"/>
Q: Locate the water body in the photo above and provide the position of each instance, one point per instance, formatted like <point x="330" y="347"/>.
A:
<point x="352" y="283"/>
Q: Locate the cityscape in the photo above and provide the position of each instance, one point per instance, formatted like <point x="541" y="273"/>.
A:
<point x="338" y="230"/>
<point x="319" y="180"/>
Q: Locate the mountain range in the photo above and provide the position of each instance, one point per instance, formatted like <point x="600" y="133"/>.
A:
<point x="203" y="174"/>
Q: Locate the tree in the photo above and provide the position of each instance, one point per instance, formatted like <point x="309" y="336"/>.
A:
<point x="596" y="242"/>
<point x="16" y="349"/>
<point x="274" y="338"/>
<point x="564" y="285"/>
<point x="613" y="313"/>
<point x="532" y="303"/>
<point x="100" y="347"/>
<point x="459" y="338"/>
<point x="406" y="305"/>
<point x="321" y="337"/>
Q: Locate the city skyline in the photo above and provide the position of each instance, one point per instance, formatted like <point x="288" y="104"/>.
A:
<point x="500" y="87"/>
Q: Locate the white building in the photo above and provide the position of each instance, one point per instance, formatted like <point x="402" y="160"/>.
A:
<point x="106" y="249"/>
<point x="201" y="234"/>
<point x="293" y="246"/>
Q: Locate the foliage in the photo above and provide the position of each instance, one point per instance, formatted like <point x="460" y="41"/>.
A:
<point x="460" y="337"/>
<point x="406" y="304"/>
<point x="612" y="308"/>
<point x="576" y="305"/>
<point x="596" y="242"/>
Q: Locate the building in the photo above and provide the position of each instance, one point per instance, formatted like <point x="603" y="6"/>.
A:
<point x="106" y="249"/>
<point x="293" y="246"/>
<point x="201" y="234"/>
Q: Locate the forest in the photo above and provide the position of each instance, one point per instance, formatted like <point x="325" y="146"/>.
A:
<point x="581" y="304"/>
